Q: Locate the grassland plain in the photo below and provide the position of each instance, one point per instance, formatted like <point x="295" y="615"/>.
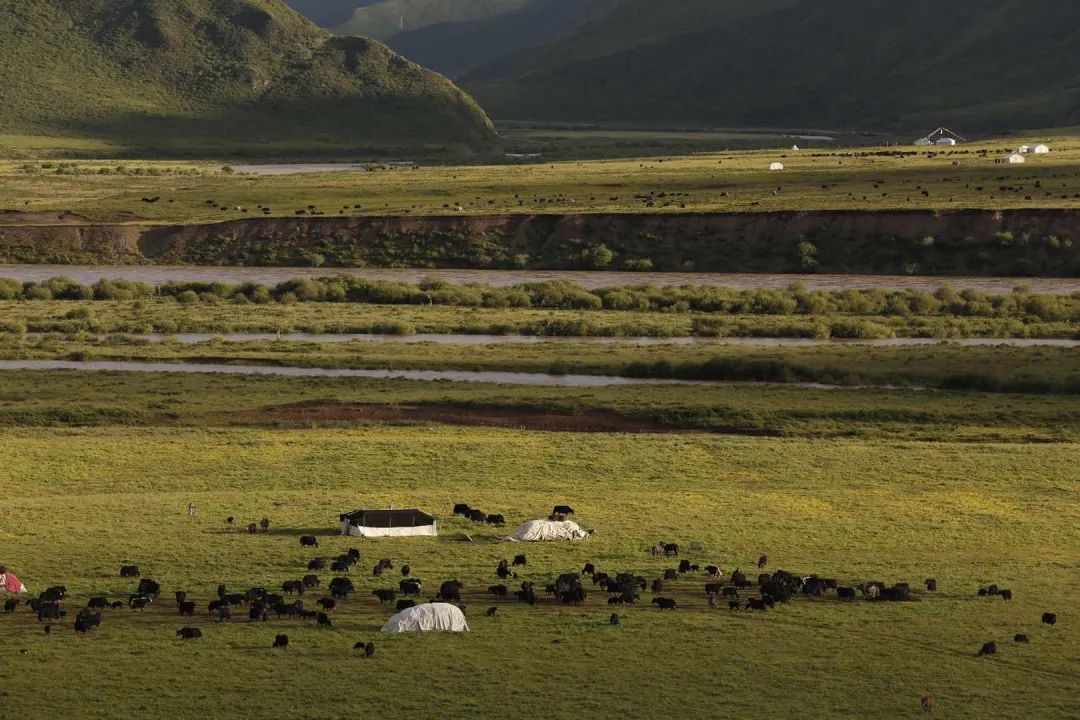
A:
<point x="78" y="502"/>
<point x="1039" y="369"/>
<point x="72" y="398"/>
<point x="883" y="178"/>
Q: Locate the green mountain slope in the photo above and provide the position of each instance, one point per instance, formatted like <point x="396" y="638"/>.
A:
<point x="188" y="75"/>
<point x="983" y="66"/>
<point x="383" y="19"/>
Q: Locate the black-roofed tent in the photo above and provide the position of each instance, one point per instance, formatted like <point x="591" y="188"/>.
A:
<point x="388" y="523"/>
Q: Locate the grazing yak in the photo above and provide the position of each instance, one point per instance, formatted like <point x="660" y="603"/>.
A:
<point x="309" y="541"/>
<point x="989" y="648"/>
<point x="327" y="604"/>
<point x="98" y="603"/>
<point x="1049" y="618"/>
<point x="322" y="620"/>
<point x="149" y="588"/>
<point x="292" y="586"/>
<point x="928" y="703"/>
<point x="521" y="560"/>
<point x="450" y="591"/>
<point x="129" y="571"/>
<point x="189" y="633"/>
<point x="931" y="584"/>
<point x="404" y="604"/>
<point x="664" y="603"/>
<point x="410" y="587"/>
<point x="187" y="608"/>
<point x="562" y="510"/>
<point x="496" y="519"/>
<point x="341" y="588"/>
<point x="1020" y="638"/>
<point x="462" y="509"/>
<point x="613" y="620"/>
<point x="10" y="605"/>
<point x="281" y="641"/>
<point x="385" y="595"/>
<point x="317" y="564"/>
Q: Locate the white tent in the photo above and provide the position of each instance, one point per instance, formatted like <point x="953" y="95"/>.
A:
<point x="426" y="618"/>
<point x="542" y="530"/>
<point x="923" y="142"/>
<point x="945" y="141"/>
<point x="388" y="523"/>
<point x="1040" y="149"/>
<point x="1015" y="159"/>
<point x="1024" y="149"/>
<point x="776" y="166"/>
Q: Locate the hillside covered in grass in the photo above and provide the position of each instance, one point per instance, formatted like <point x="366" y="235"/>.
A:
<point x="219" y="76"/>
<point x="975" y="66"/>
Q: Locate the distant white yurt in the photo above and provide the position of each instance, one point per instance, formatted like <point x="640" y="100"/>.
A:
<point x="945" y="141"/>
<point x="923" y="142"/>
<point x="1040" y="149"/>
<point x="388" y="523"/>
<point x="1016" y="159"/>
<point x="547" y="530"/>
<point x="776" y="166"/>
<point x="432" y="617"/>
<point x="795" y="148"/>
<point x="1024" y="149"/>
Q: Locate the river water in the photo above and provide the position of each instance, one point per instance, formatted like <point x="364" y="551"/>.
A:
<point x="159" y="274"/>
<point x="488" y="377"/>
<point x="450" y="339"/>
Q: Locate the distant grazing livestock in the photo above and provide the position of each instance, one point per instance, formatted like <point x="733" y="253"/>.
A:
<point x="989" y="648"/>
<point x="404" y="604"/>
<point x="928" y="703"/>
<point x="369" y="650"/>
<point x="341" y="588"/>
<point x="230" y="520"/>
<point x="281" y="641"/>
<point x="657" y="586"/>
<point x="762" y="562"/>
<point x="328" y="604"/>
<point x="1049" y="618"/>
<point x="257" y="612"/>
<point x="613" y="620"/>
<point x="520" y="560"/>
<point x="713" y="571"/>
<point x="495" y="519"/>
<point x="671" y="574"/>
<point x="385" y="595"/>
<point x="406" y="571"/>
<point x="462" y="509"/>
<point x="98" y="603"/>
<point x="386" y="564"/>
<point x="341" y="566"/>
<point x="733" y="605"/>
<point x="730" y="592"/>
<point x="1020" y="638"/>
<point x="1006" y="594"/>
<point x="10" y="605"/>
<point x="310" y="581"/>
<point x="181" y="596"/>
<point x="410" y="587"/>
<point x="491" y="611"/>
<point x="499" y="591"/>
<point x="562" y="510"/>
<point x="252" y="528"/>
<point x="755" y="604"/>
<point x="224" y="614"/>
<point x="354" y="555"/>
<point x="477" y="516"/>
<point x="322" y="620"/>
<point x="187" y="608"/>
<point x="503" y="570"/>
<point x="148" y="587"/>
<point x="264" y="524"/>
<point x="309" y="541"/>
<point x="189" y="633"/>
<point x="714" y="588"/>
<point x="138" y="602"/>
<point x="450" y="591"/>
<point x="292" y="586"/>
<point x="589" y="569"/>
<point x="317" y="564"/>
<point x="684" y="566"/>
<point x="845" y="593"/>
<point x="129" y="571"/>
<point x="664" y="603"/>
<point x="931" y="585"/>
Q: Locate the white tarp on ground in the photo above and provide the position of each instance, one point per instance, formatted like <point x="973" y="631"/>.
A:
<point x="541" y="530"/>
<point x="347" y="528"/>
<point x="425" y="618"/>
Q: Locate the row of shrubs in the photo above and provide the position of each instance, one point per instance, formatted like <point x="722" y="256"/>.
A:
<point x="557" y="294"/>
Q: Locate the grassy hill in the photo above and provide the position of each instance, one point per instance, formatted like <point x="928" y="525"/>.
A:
<point x="218" y="75"/>
<point x="801" y="63"/>
<point x="453" y="37"/>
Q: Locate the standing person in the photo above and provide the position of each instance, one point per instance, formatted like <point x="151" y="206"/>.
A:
<point x="191" y="511"/>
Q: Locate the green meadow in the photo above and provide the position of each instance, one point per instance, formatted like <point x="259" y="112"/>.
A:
<point x="80" y="501"/>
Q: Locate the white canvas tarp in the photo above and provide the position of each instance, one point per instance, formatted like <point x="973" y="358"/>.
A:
<point x="347" y="528"/>
<point x="542" y="530"/>
<point x="425" y="618"/>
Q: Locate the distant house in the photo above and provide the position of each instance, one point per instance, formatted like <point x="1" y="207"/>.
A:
<point x="945" y="141"/>
<point x="776" y="166"/>
<point x="923" y="142"/>
<point x="1016" y="159"/>
<point x="1040" y="149"/>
